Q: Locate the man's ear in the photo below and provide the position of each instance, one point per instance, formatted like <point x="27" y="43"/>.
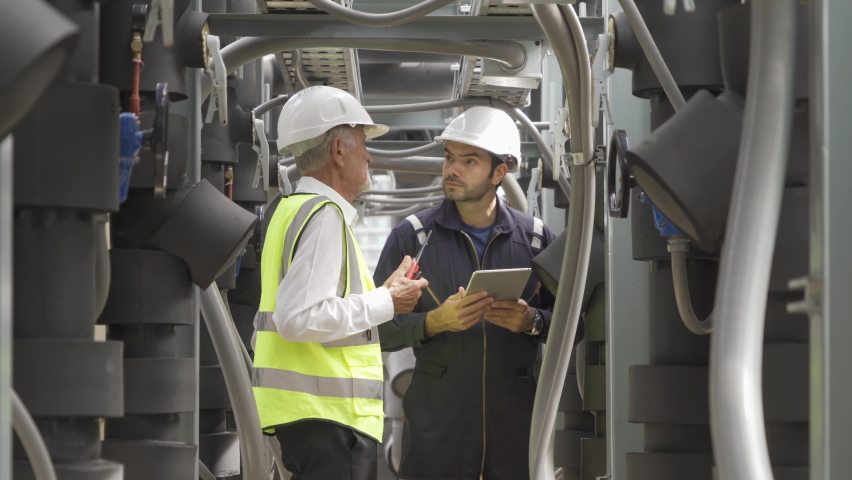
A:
<point x="339" y="152"/>
<point x="499" y="174"/>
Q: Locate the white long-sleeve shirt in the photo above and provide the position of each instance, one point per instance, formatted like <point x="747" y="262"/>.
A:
<point x="307" y="307"/>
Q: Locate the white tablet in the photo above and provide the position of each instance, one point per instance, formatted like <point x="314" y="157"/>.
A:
<point x="506" y="284"/>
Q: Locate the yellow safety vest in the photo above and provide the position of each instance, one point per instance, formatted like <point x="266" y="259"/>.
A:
<point x="339" y="381"/>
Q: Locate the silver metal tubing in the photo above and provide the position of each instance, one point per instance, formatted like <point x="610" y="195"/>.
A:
<point x="380" y="19"/>
<point x="103" y="271"/>
<point x="407" y="191"/>
<point x="205" y="472"/>
<point x="566" y="317"/>
<point x="655" y="58"/>
<point x="278" y="101"/>
<point x="513" y="111"/>
<point x="736" y="396"/>
<point x="587" y="130"/>
<point x="402" y="201"/>
<point x="515" y="196"/>
<point x="297" y="67"/>
<point x="247" y="49"/>
<point x="31" y="439"/>
<point x="678" y="248"/>
<point x="432" y="165"/>
<point x="217" y="318"/>
<point x="580" y="366"/>
<point x="429" y="147"/>
<point x="397" y="213"/>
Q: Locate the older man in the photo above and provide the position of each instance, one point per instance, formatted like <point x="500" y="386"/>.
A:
<point x="318" y="367"/>
<point x="469" y="407"/>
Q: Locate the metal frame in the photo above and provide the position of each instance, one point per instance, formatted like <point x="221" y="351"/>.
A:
<point x="831" y="235"/>
<point x="426" y="28"/>
<point x="627" y="290"/>
<point x="7" y="213"/>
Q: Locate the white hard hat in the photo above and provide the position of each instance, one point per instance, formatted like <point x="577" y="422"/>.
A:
<point x="316" y="110"/>
<point x="487" y="128"/>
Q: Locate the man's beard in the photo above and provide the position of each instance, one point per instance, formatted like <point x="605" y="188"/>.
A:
<point x="467" y="193"/>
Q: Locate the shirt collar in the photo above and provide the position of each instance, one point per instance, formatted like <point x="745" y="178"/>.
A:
<point x="312" y="185"/>
<point x="448" y="217"/>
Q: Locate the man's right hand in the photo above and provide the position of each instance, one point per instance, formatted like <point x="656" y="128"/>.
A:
<point x="457" y="313"/>
<point x="404" y="292"/>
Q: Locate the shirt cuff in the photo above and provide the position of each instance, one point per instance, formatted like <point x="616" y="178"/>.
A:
<point x="379" y="306"/>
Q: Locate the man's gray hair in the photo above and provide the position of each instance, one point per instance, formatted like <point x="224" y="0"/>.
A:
<point x="314" y="158"/>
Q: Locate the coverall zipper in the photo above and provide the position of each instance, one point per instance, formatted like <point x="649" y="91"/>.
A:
<point x="481" y="266"/>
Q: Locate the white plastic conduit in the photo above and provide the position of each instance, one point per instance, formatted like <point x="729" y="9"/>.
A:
<point x="379" y="19"/>
<point x="31" y="439"/>
<point x="678" y="248"/>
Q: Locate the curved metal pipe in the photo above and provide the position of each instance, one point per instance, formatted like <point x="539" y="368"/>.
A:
<point x="217" y="317"/>
<point x="398" y="213"/>
<point x="655" y="58"/>
<point x="31" y="439"/>
<point x="587" y="131"/>
<point x="432" y="165"/>
<point x="736" y="351"/>
<point x="103" y="270"/>
<point x="276" y="102"/>
<point x="407" y="191"/>
<point x="580" y="366"/>
<point x="566" y="317"/>
<point x="678" y="248"/>
<point x="515" y="196"/>
<point x="402" y="201"/>
<point x="380" y="19"/>
<point x="297" y="67"/>
<point x="510" y="109"/>
<point x="247" y="49"/>
<point x="411" y="152"/>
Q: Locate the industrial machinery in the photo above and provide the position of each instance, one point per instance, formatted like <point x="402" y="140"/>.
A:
<point x="690" y="153"/>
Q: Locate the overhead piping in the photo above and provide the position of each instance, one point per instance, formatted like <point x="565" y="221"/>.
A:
<point x="296" y="58"/>
<point x="264" y="107"/>
<point x="655" y="58"/>
<point x="247" y="49"/>
<point x="379" y="19"/>
<point x="407" y="191"/>
<point x="402" y="201"/>
<point x="736" y="350"/>
<point x="411" y="152"/>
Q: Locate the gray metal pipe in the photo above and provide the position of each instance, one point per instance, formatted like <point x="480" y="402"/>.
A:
<point x="511" y="110"/>
<point x="678" y="248"/>
<point x="247" y="49"/>
<point x="411" y="152"/>
<point x="276" y="102"/>
<point x="431" y="165"/>
<point x="31" y="439"/>
<point x="655" y="58"/>
<point x="380" y="19"/>
<point x="217" y="317"/>
<point x="407" y="191"/>
<point x="296" y="56"/>
<point x="736" y="394"/>
<point x="587" y="131"/>
<point x="566" y="317"/>
<point x="580" y="366"/>
<point x="402" y="201"/>
<point x="515" y="196"/>
<point x="103" y="271"/>
<point x="397" y="213"/>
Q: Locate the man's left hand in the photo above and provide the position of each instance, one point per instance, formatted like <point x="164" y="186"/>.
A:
<point x="514" y="316"/>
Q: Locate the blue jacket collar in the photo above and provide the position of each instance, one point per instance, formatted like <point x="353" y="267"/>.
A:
<point x="447" y="216"/>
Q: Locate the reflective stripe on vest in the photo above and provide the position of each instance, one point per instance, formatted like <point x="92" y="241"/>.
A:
<point x="339" y="381"/>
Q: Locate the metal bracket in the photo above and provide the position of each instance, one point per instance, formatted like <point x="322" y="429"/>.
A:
<point x="814" y="288"/>
<point x="602" y="68"/>
<point x="161" y="13"/>
<point x="534" y="190"/>
<point x="670" y="6"/>
<point x="156" y="139"/>
<point x="559" y="140"/>
<point x="219" y="77"/>
<point x="262" y="169"/>
<point x="599" y="157"/>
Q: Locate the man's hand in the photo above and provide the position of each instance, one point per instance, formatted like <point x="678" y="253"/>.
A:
<point x="404" y="292"/>
<point x="457" y="313"/>
<point x="514" y="316"/>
